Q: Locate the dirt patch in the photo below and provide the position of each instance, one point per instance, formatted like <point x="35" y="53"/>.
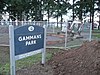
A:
<point x="36" y="69"/>
<point x="84" y="60"/>
<point x="4" y="55"/>
<point x="4" y="29"/>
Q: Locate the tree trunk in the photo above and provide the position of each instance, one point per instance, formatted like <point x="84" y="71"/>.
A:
<point x="73" y="10"/>
<point x="80" y="14"/>
<point x="61" y="21"/>
<point x="57" y="21"/>
<point x="99" y="22"/>
<point x="92" y="14"/>
<point x="48" y="17"/>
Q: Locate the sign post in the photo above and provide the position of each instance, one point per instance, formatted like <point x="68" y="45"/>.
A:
<point x="44" y="51"/>
<point x="12" y="56"/>
<point x="66" y="23"/>
<point x="26" y="41"/>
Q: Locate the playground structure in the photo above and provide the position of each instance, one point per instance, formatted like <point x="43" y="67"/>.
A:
<point x="73" y="29"/>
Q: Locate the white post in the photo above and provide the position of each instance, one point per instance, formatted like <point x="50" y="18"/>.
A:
<point x="44" y="50"/>
<point x="90" y="36"/>
<point x="12" y="53"/>
<point x="34" y="22"/>
<point x="22" y="22"/>
<point x="53" y="28"/>
<point x="66" y="23"/>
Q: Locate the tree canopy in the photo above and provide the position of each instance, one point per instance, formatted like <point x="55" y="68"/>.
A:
<point x="34" y="9"/>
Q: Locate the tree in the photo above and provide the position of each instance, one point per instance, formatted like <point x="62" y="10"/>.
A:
<point x="2" y="5"/>
<point x="98" y="9"/>
<point x="61" y="8"/>
<point x="49" y="7"/>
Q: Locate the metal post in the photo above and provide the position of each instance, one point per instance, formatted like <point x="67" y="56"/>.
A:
<point x="53" y="28"/>
<point x="12" y="53"/>
<point x="66" y="23"/>
<point x="90" y="36"/>
<point x="44" y="50"/>
<point x="34" y="22"/>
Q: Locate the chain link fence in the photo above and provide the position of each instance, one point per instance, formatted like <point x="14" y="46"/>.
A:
<point x="67" y="39"/>
<point x="59" y="35"/>
<point x="56" y="33"/>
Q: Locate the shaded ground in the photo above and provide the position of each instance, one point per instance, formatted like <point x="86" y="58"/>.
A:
<point x="36" y="69"/>
<point x="4" y="58"/>
<point x="4" y="55"/>
<point x="84" y="60"/>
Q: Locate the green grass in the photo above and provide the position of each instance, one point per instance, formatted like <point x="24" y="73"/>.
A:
<point x="96" y="33"/>
<point x="29" y="61"/>
<point x="26" y="62"/>
<point x="5" y="69"/>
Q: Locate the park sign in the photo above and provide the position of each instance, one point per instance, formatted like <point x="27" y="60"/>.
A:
<point x="28" y="38"/>
<point x="26" y="41"/>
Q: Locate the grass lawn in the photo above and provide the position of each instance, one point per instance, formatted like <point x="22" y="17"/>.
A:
<point x="96" y="33"/>
<point x="26" y="62"/>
